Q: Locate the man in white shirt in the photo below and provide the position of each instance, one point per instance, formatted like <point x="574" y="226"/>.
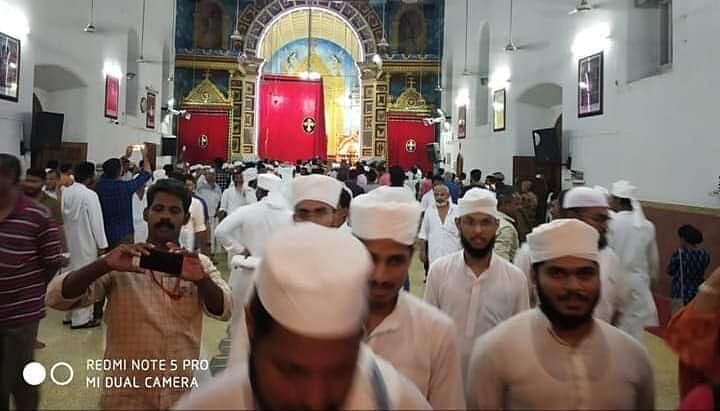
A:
<point x="632" y="237"/>
<point x="315" y="198"/>
<point x="315" y="302"/>
<point x="428" y="199"/>
<point x="590" y="206"/>
<point x="235" y="196"/>
<point x="438" y="228"/>
<point x="211" y="193"/>
<point x="194" y="234"/>
<point x="477" y="289"/>
<point x="415" y="337"/>
<point x="139" y="204"/>
<point x="557" y="356"/>
<point x="84" y="231"/>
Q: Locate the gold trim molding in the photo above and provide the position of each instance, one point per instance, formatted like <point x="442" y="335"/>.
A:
<point x="410" y="101"/>
<point x="206" y="94"/>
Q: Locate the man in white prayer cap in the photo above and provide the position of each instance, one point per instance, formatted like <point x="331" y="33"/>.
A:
<point x="475" y="287"/>
<point x="316" y="198"/>
<point x="590" y="206"/>
<point x="557" y="356"/>
<point x="415" y="337"/>
<point x="305" y="321"/>
<point x="235" y="196"/>
<point x="632" y="237"/>
<point x="245" y="232"/>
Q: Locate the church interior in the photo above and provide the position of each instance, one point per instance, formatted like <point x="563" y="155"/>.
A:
<point x="562" y="93"/>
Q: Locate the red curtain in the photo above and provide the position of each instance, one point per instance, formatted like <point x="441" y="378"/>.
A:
<point x="205" y="135"/>
<point x="292" y="119"/>
<point x="407" y="139"/>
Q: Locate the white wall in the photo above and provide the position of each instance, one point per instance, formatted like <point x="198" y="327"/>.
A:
<point x="660" y="132"/>
<point x="57" y="38"/>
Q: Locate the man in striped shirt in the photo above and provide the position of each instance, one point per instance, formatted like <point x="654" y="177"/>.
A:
<point x="30" y="254"/>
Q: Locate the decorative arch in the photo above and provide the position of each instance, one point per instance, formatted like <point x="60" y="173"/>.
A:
<point x="364" y="21"/>
<point x="542" y="95"/>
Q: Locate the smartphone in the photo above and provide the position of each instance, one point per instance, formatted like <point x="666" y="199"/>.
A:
<point x="163" y="261"/>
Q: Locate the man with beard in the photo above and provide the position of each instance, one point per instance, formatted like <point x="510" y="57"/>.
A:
<point x="151" y="315"/>
<point x="590" y="206"/>
<point x="557" y="356"/>
<point x="305" y="321"/>
<point x="475" y="287"/>
<point x="415" y="337"/>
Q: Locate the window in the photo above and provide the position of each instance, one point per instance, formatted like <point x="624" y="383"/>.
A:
<point x="666" y="33"/>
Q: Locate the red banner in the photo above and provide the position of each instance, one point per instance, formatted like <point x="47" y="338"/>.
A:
<point x="205" y="136"/>
<point x="292" y="119"/>
<point x="407" y="141"/>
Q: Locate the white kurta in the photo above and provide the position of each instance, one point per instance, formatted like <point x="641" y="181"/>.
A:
<point x="140" y="226"/>
<point x="613" y="290"/>
<point x="427" y="200"/>
<point x="211" y="196"/>
<point x="421" y="343"/>
<point x="443" y="238"/>
<point x="231" y="390"/>
<point x="84" y="234"/>
<point x="476" y="303"/>
<point x="233" y="199"/>
<point x="638" y="252"/>
<point x="523" y="365"/>
<point x="195" y="224"/>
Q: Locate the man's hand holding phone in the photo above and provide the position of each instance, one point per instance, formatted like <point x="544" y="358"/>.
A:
<point x="192" y="269"/>
<point x="122" y="258"/>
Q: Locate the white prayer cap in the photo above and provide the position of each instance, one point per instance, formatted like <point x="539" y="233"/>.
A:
<point x="237" y="163"/>
<point x="317" y="187"/>
<point x="386" y="213"/>
<point x="159" y="174"/>
<point x="478" y="200"/>
<point x="195" y="167"/>
<point x="584" y="197"/>
<point x="603" y="190"/>
<point x="624" y="189"/>
<point x="313" y="281"/>
<point x="250" y="174"/>
<point x="563" y="238"/>
<point x="209" y="170"/>
<point x="269" y="182"/>
<point x="226" y="166"/>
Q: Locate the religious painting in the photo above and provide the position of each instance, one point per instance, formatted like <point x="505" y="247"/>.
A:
<point x="409" y="34"/>
<point x="590" y="85"/>
<point x="112" y="97"/>
<point x="249" y="119"/>
<point x="210" y="25"/>
<point x="9" y="68"/>
<point x="150" y="110"/>
<point x="462" y="119"/>
<point x="499" y="111"/>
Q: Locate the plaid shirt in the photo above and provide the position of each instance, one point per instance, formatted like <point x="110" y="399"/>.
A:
<point x="143" y="322"/>
<point x="116" y="201"/>
<point x="29" y="243"/>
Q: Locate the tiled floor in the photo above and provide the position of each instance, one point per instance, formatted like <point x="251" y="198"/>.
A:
<point x="76" y="347"/>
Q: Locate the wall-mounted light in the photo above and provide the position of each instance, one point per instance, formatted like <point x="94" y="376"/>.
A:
<point x="13" y="21"/>
<point x="592" y="40"/>
<point x="112" y="68"/>
<point x="463" y="97"/>
<point x="500" y="79"/>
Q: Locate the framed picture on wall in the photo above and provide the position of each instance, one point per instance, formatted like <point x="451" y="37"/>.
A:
<point x="150" y="112"/>
<point x="9" y="67"/>
<point x="590" y="85"/>
<point x="462" y="120"/>
<point x="112" y="97"/>
<point x="499" y="109"/>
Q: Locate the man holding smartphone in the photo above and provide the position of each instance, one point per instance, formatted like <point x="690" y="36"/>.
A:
<point x="151" y="315"/>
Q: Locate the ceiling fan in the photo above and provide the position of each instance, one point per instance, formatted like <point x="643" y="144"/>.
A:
<point x="142" y="59"/>
<point x="583" y="6"/>
<point x="510" y="46"/>
<point x="90" y="28"/>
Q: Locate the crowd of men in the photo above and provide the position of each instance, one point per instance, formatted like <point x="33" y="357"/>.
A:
<point x="517" y="313"/>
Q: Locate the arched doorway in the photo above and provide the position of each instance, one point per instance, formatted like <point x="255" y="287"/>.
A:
<point x="343" y="38"/>
<point x="310" y="79"/>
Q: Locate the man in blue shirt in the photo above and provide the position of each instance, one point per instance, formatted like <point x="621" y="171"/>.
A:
<point x="116" y="199"/>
